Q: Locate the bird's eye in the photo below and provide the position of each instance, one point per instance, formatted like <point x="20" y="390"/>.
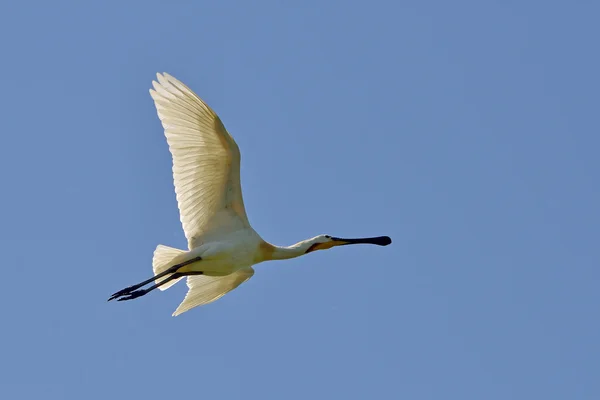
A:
<point x="328" y="237"/>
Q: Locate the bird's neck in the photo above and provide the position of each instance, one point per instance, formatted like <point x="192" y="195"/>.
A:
<point x="284" y="253"/>
<point x="272" y="252"/>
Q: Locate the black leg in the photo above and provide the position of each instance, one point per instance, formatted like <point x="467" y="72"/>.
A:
<point x="138" y="293"/>
<point x="171" y="270"/>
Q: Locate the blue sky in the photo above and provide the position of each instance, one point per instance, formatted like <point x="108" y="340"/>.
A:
<point x="467" y="131"/>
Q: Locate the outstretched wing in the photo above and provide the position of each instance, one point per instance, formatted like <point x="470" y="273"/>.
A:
<point x="206" y="162"/>
<point x="206" y="289"/>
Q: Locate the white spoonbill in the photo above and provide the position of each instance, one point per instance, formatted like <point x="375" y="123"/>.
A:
<point x="223" y="247"/>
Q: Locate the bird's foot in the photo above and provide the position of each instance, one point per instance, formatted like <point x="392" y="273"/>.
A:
<point x="133" y="295"/>
<point x="124" y="292"/>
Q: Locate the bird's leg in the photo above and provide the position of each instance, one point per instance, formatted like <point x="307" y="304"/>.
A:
<point x="138" y="293"/>
<point x="130" y="289"/>
<point x="171" y="270"/>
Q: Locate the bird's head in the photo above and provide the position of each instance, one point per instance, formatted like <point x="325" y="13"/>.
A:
<point x="324" y="242"/>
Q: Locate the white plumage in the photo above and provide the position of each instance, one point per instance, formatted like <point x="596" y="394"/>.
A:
<point x="206" y="173"/>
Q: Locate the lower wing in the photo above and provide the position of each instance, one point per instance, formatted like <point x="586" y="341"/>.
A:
<point x="206" y="289"/>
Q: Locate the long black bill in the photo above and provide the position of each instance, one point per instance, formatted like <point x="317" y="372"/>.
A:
<point x="379" y="240"/>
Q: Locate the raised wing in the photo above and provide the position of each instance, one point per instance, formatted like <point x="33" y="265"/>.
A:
<point x="206" y="289"/>
<point x="206" y="162"/>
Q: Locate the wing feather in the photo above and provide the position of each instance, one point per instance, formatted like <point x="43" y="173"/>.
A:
<point x="206" y="162"/>
<point x="206" y="289"/>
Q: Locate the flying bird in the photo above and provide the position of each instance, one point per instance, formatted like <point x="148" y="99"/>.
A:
<point x="223" y="247"/>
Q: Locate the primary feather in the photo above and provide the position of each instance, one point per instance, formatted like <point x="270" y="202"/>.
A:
<point x="206" y="162"/>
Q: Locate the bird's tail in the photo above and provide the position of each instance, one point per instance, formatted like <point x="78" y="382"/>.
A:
<point x="162" y="260"/>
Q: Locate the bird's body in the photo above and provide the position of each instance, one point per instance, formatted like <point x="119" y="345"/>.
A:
<point x="223" y="247"/>
<point x="238" y="250"/>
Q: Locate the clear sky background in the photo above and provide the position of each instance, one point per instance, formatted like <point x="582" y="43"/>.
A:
<point x="466" y="130"/>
